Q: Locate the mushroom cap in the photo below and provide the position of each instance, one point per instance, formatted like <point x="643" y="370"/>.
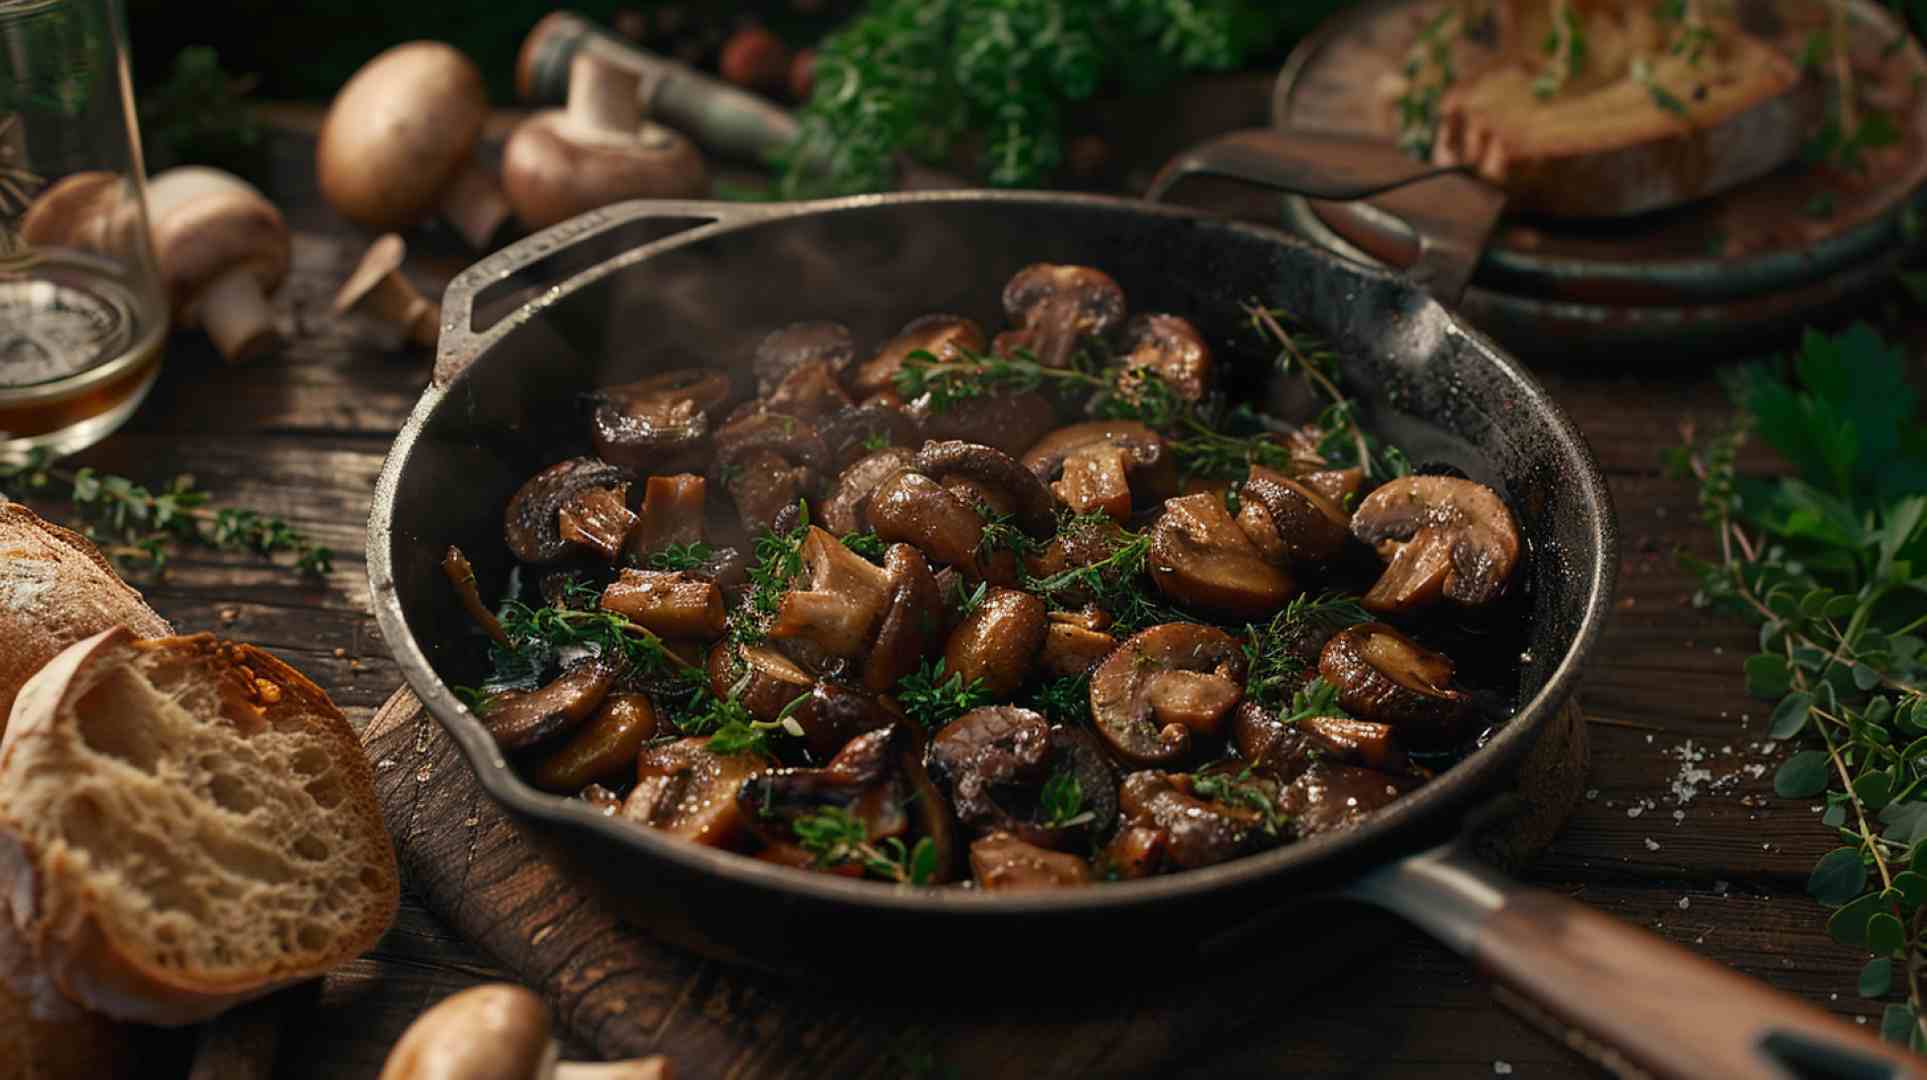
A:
<point x="206" y="223"/>
<point x="382" y="258"/>
<point x="532" y="522"/>
<point x="398" y="132"/>
<point x="687" y="791"/>
<point x="1441" y="535"/>
<point x="658" y="424"/>
<point x="496" y="1031"/>
<point x="518" y="720"/>
<point x="1291" y="522"/>
<point x="998" y="642"/>
<point x="1201" y="559"/>
<point x="1059" y="306"/>
<point x="1163" y="685"/>
<point x="1033" y="504"/>
<point x="555" y="167"/>
<point x="941" y="335"/>
<point x="789" y="347"/>
<point x="1170" y="348"/>
<point x="1383" y="675"/>
<point x="69" y="213"/>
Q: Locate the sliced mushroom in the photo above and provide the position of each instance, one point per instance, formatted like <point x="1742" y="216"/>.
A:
<point x="859" y="431"/>
<point x="1327" y="798"/>
<point x="760" y="677"/>
<point x="1082" y="542"/>
<point x="787" y="348"/>
<point x="911" y="622"/>
<point x="767" y="462"/>
<point x="1072" y="648"/>
<point x="1291" y="523"/>
<point x="603" y="749"/>
<point x="810" y="392"/>
<point x="1032" y="504"/>
<point x="844" y="510"/>
<point x="1105" y="466"/>
<point x="911" y="508"/>
<point x="1058" y="308"/>
<point x="533" y="522"/>
<point x="597" y="520"/>
<point x="1169" y="348"/>
<point x="687" y="791"/>
<point x="519" y="719"/>
<point x="1164" y="686"/>
<point x="865" y="779"/>
<point x="1001" y="862"/>
<point x="838" y="601"/>
<point x="1011" y="423"/>
<point x="1356" y="742"/>
<point x="944" y="337"/>
<point x="660" y="424"/>
<point x="1197" y="831"/>
<point x="1341" y="486"/>
<point x="833" y="714"/>
<point x="1267" y="744"/>
<point x="671" y="604"/>
<point x="1383" y="675"/>
<point x="988" y="749"/>
<point x="998" y="642"/>
<point x="1202" y="560"/>
<point x="1137" y="851"/>
<point x="671" y="513"/>
<point x="1440" y="536"/>
<point x="1080" y="753"/>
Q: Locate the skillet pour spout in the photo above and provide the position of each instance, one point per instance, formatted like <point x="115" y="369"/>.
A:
<point x="699" y="284"/>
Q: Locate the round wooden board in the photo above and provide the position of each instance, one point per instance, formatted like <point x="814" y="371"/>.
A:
<point x="620" y="991"/>
<point x="1765" y="237"/>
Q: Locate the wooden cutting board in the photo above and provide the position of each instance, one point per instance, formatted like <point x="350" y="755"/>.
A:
<point x="619" y="991"/>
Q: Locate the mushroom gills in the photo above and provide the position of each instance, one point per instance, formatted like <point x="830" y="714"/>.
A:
<point x="1384" y="676"/>
<point x="1164" y="689"/>
<point x="1200" y="559"/>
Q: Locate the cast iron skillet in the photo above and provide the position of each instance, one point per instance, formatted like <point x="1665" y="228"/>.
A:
<point x="644" y="286"/>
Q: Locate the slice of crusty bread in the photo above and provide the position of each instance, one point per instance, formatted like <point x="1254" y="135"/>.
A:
<point x="81" y="1045"/>
<point x="56" y="588"/>
<point x="185" y="824"/>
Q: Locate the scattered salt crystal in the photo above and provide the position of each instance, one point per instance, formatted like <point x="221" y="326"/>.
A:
<point x="1649" y="738"/>
<point x="1685" y="902"/>
<point x="1859" y="1019"/>
<point x="1720" y="887"/>
<point x="1502" y="1068"/>
<point x="1592" y="793"/>
<point x="1652" y="844"/>
<point x="1635" y="811"/>
<point x="385" y="763"/>
<point x="1818" y="809"/>
<point x="1679" y="816"/>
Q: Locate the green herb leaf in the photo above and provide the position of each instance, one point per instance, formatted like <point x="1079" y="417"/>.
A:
<point x="1873" y="789"/>
<point x="1790" y="715"/>
<point x="1062" y="801"/>
<point x="1898" y="1024"/>
<point x="1767" y="676"/>
<point x="933" y="699"/>
<point x="1848" y="926"/>
<point x="1877" y="977"/>
<point x="1884" y="933"/>
<point x="1840" y="875"/>
<point x="1802" y="776"/>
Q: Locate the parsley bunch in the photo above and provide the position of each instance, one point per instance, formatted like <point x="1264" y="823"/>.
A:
<point x="1831" y="563"/>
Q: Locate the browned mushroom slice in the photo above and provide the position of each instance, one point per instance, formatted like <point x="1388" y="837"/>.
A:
<point x="838" y="601"/>
<point x="844" y="510"/>
<point x="1267" y="744"/>
<point x="1060" y="307"/>
<point x="686" y="791"/>
<point x="1001" y="862"/>
<point x="671" y="604"/>
<point x="659" y="424"/>
<point x="1169" y="348"/>
<point x="1079" y="753"/>
<point x="859" y="431"/>
<point x="1441" y="536"/>
<point x="835" y="714"/>
<point x="1105" y="466"/>
<point x="944" y="337"/>
<point x="605" y="748"/>
<point x="671" y="513"/>
<point x="808" y="392"/>
<point x="987" y="749"/>
<point x="1135" y="852"/>
<point x="1202" y="560"/>
<point x="1071" y="646"/>
<point x="1161" y="687"/>
<point x="865" y="779"/>
<point x="787" y="348"/>
<point x="911" y="508"/>
<point x="1326" y="797"/>
<point x="763" y="679"/>
<point x="1340" y="486"/>
<point x="519" y="720"/>
<point x="1290" y="522"/>
<point x="998" y="642"/>
<point x="1202" y="824"/>
<point x="1029" y="501"/>
<point x="533" y="522"/>
<point x="597" y="519"/>
<point x="1356" y="742"/>
<point x="1011" y="423"/>
<point x="1385" y="676"/>
<point x="768" y="461"/>
<point x="911" y="622"/>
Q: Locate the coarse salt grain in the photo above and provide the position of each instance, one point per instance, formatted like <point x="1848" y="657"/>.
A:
<point x="1652" y="844"/>
<point x="1502" y="1068"/>
<point x="1685" y="902"/>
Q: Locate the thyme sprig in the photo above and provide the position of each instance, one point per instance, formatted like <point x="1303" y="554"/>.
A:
<point x="1117" y="583"/>
<point x="680" y="556"/>
<point x="1429" y="72"/>
<point x="1345" y="442"/>
<point x="933" y="698"/>
<point x="1062" y="801"/>
<point x="1831" y="563"/>
<point x="1278" y="654"/>
<point x="1241" y="790"/>
<point x="141" y="527"/>
<point x="836" y="837"/>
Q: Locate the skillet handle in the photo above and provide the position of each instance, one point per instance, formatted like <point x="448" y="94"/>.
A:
<point x="462" y="340"/>
<point x="1634" y="1003"/>
<point x="1451" y="224"/>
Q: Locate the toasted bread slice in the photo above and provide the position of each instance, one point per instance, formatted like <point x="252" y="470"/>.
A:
<point x="185" y="823"/>
<point x="1638" y="127"/>
<point x="56" y="588"/>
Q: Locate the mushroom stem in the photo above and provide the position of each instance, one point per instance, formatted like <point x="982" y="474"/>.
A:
<point x="378" y="289"/>
<point x="238" y="317"/>
<point x="650" y="1068"/>
<point x="475" y="205"/>
<point x="603" y="94"/>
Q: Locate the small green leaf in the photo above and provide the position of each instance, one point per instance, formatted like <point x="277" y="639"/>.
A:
<point x="1864" y="677"/>
<point x="1835" y="816"/>
<point x="1790" y="715"/>
<point x="923" y="862"/>
<point x="1912" y="888"/>
<point x="1897" y="1024"/>
<point x="1802" y="776"/>
<point x="1884" y="933"/>
<point x="1877" y="977"/>
<point x="1838" y="877"/>
<point x="1767" y="676"/>
<point x="1873" y="789"/>
<point x="1848" y="926"/>
<point x="1840" y="607"/>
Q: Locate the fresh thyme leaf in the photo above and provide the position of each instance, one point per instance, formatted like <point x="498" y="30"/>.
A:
<point x="681" y="557"/>
<point x="779" y="559"/>
<point x="867" y="544"/>
<point x="1241" y="791"/>
<point x="140" y="528"/>
<point x="1429" y="72"/>
<point x="1117" y="583"/>
<point x="1345" y="443"/>
<point x="1565" y="48"/>
<point x="1831" y="563"/>
<point x="934" y="700"/>
<point x="1315" y="698"/>
<point x="1062" y="801"/>
<point x="1065" y="700"/>
<point x="1278" y="654"/>
<point x="968" y="600"/>
<point x="1000" y="533"/>
<point x="836" y="837"/>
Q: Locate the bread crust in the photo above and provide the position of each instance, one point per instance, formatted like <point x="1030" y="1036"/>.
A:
<point x="55" y="589"/>
<point x="78" y="950"/>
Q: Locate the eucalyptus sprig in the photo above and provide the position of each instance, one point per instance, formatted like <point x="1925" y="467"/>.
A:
<point x="1831" y="563"/>
<point x="141" y="528"/>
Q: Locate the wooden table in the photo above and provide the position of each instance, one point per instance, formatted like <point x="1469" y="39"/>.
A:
<point x="1714" y="861"/>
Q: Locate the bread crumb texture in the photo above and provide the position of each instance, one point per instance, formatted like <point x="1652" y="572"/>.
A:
<point x="205" y="807"/>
